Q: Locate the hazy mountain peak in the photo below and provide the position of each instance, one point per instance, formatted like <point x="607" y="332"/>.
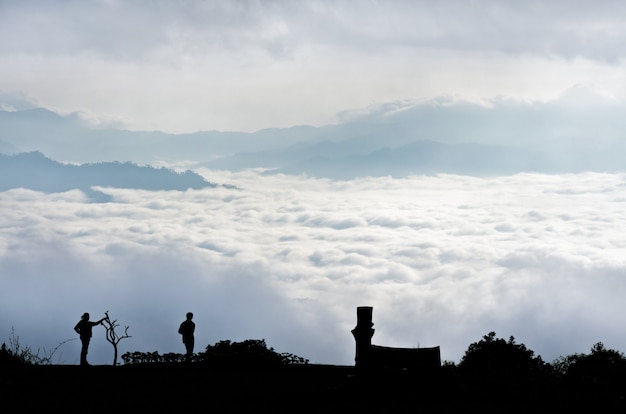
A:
<point x="33" y="170"/>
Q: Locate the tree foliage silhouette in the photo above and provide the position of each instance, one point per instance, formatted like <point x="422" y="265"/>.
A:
<point x="601" y="364"/>
<point x="497" y="356"/>
<point x="251" y="353"/>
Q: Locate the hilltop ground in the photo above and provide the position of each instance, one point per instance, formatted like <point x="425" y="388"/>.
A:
<point x="293" y="389"/>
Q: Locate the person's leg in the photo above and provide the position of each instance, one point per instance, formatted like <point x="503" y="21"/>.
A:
<point x="83" y="351"/>
<point x="189" y="348"/>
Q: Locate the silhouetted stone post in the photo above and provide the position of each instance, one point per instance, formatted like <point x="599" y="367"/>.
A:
<point x="363" y="333"/>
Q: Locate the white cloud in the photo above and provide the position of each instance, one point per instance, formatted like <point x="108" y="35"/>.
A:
<point x="443" y="260"/>
<point x="132" y="30"/>
<point x="247" y="65"/>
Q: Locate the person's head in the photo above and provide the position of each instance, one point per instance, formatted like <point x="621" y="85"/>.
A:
<point x="189" y="315"/>
<point x="85" y="316"/>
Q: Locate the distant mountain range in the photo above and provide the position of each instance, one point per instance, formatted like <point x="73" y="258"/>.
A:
<point x="428" y="138"/>
<point x="419" y="157"/>
<point x="33" y="170"/>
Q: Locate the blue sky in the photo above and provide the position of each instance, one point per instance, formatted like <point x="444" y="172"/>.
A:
<point x="443" y="259"/>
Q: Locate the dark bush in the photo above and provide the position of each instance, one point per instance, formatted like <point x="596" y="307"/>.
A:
<point x="153" y="357"/>
<point x="9" y="359"/>
<point x="493" y="356"/>
<point x="251" y="353"/>
<point x="599" y="365"/>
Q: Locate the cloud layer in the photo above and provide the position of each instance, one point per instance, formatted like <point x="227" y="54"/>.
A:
<point x="443" y="260"/>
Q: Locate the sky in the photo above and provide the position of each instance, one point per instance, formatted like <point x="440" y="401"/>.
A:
<point x="443" y="259"/>
<point x="187" y="66"/>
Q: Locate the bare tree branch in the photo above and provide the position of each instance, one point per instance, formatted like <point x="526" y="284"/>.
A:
<point x="113" y="337"/>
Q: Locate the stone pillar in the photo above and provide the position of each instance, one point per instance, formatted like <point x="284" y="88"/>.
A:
<point x="363" y="333"/>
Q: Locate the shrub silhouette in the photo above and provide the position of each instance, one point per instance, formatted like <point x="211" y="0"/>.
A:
<point x="15" y="354"/>
<point x="493" y="356"/>
<point x="600" y="365"/>
<point x="9" y="359"/>
<point x="153" y="357"/>
<point x="251" y="353"/>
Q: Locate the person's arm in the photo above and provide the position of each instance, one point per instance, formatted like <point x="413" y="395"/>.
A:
<point x="77" y="328"/>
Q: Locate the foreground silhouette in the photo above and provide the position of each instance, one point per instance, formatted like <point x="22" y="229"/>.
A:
<point x="300" y="388"/>
<point x="494" y="376"/>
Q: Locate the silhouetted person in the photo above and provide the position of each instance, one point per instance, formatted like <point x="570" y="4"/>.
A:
<point x="187" y="329"/>
<point x="83" y="328"/>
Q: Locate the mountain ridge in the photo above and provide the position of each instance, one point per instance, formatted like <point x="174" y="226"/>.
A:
<point x="34" y="171"/>
<point x="428" y="138"/>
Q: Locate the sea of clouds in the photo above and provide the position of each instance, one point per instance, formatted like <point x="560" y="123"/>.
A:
<point x="442" y="259"/>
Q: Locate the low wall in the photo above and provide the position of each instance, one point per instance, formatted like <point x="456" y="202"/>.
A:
<point x="411" y="359"/>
